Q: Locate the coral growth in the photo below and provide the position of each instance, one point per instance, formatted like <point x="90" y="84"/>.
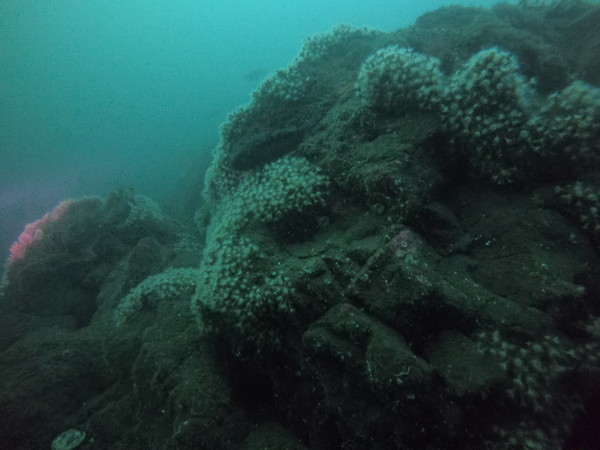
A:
<point x="358" y="279"/>
<point x="35" y="231"/>
<point x="241" y="289"/>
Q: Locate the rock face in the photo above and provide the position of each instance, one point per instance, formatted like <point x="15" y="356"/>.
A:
<point x="399" y="251"/>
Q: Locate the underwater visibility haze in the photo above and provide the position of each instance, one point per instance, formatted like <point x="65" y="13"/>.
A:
<point x="300" y="225"/>
<point x="104" y="93"/>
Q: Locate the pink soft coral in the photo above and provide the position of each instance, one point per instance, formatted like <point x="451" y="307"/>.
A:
<point x="34" y="231"/>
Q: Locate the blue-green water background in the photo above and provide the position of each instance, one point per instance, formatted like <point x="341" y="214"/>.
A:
<point x="100" y="94"/>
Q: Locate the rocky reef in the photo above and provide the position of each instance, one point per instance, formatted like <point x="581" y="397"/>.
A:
<point x="397" y="249"/>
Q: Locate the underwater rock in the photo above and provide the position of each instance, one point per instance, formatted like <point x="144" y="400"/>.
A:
<point x="377" y="268"/>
